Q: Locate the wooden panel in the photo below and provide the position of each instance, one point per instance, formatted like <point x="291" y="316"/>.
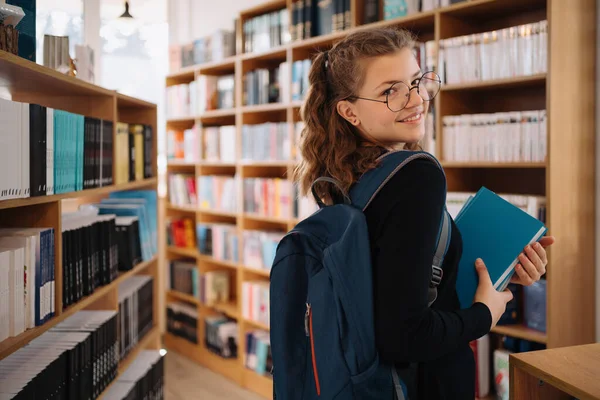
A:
<point x="571" y="180"/>
<point x="185" y="75"/>
<point x="267" y="59"/>
<point x="573" y="370"/>
<point x="500" y="180"/>
<point x="264" y="113"/>
<point x="421" y="24"/>
<point x="97" y="107"/>
<point x="218" y="117"/>
<point x="20" y="75"/>
<point x="263" y="8"/>
<point x="527" y="387"/>
<point x="505" y="83"/>
<point x="258" y="383"/>
<point x="221" y="67"/>
<point x="521" y="332"/>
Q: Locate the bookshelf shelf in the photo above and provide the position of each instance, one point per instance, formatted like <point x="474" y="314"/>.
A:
<point x="229" y="309"/>
<point x="124" y="100"/>
<point x="214" y="261"/>
<point x="508" y="83"/>
<point x="218" y="67"/>
<point x="14" y="203"/>
<point x="12" y="344"/>
<point x="214" y="114"/>
<point x="181" y="208"/>
<point x="192" y="253"/>
<point x="570" y="201"/>
<point x="181" y="120"/>
<point x="256" y="324"/>
<point x="521" y="332"/>
<point x="475" y="164"/>
<point x="180" y="164"/>
<point x="183" y="296"/>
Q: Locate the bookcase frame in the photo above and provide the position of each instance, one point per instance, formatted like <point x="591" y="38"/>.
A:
<point x="566" y="177"/>
<point x="26" y="81"/>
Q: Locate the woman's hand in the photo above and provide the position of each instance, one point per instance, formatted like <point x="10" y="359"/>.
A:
<point x="495" y="301"/>
<point x="532" y="262"/>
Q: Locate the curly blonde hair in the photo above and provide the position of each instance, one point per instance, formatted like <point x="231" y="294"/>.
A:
<point x="330" y="146"/>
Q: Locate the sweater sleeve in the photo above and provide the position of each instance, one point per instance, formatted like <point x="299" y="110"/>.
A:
<point x="407" y="330"/>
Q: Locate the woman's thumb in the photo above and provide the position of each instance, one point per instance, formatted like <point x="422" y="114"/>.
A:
<point x="482" y="271"/>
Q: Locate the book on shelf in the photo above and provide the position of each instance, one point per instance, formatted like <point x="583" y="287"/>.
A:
<point x="56" y="53"/>
<point x="481" y="353"/>
<point x="214" y="287"/>
<point x="183" y="277"/>
<point x="205" y="93"/>
<point x="220" y="144"/>
<point x="182" y="321"/>
<point x="259" y="248"/>
<point x="505" y="53"/>
<point x="182" y="190"/>
<point x="146" y="198"/>
<point x="134" y="152"/>
<point x="136" y="295"/>
<point x="185" y="145"/>
<point x="255" y="302"/>
<point x="217" y="193"/>
<point x="269" y="141"/>
<point x="75" y="359"/>
<point x="127" y="233"/>
<point x="89" y="254"/>
<point x="532" y="205"/>
<point x="311" y="18"/>
<point x="180" y="232"/>
<point x="300" y="85"/>
<point x="211" y="48"/>
<point x="518" y="136"/>
<point x="52" y="151"/>
<point x="221" y="336"/>
<point x="268" y="197"/>
<point x="267" y="31"/>
<point x="84" y="59"/>
<point x="219" y="241"/>
<point x="535" y="305"/>
<point x="143" y="378"/>
<point x="28" y="280"/>
<point x="496" y="231"/>
<point x="258" y="355"/>
<point x="266" y="85"/>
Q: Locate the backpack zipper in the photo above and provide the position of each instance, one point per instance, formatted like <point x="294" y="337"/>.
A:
<point x="309" y="333"/>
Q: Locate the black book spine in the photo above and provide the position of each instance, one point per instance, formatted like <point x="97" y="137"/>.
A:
<point x="37" y="150"/>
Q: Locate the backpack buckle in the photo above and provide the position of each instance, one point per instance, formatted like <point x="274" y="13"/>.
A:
<point x="436" y="276"/>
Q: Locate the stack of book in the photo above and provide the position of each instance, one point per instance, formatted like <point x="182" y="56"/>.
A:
<point x="182" y="321"/>
<point x="516" y="51"/>
<point x="76" y="359"/>
<point x="269" y="141"/>
<point x="143" y="378"/>
<point x="27" y="290"/>
<point x="258" y="352"/>
<point x="268" y="197"/>
<point x="221" y="336"/>
<point x="518" y="136"/>
<point x="136" y="296"/>
<point x="90" y="253"/>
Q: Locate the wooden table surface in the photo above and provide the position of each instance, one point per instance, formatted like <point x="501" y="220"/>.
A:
<point x="574" y="370"/>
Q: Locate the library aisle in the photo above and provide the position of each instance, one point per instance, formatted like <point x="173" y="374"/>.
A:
<point x="147" y="150"/>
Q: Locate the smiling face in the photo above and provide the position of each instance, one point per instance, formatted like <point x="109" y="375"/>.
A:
<point x="373" y="118"/>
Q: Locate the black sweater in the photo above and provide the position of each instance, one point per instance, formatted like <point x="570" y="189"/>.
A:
<point x="403" y="222"/>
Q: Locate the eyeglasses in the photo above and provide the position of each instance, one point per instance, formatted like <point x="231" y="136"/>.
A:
<point x="397" y="96"/>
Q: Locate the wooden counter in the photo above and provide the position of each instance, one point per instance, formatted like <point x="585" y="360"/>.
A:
<point x="560" y="373"/>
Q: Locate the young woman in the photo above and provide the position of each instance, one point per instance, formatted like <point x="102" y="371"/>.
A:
<point x="368" y="96"/>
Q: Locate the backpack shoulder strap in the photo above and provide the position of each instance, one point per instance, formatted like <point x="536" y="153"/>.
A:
<point x="365" y="190"/>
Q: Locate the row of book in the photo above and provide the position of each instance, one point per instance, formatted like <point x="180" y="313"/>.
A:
<point x="205" y="93"/>
<point x="528" y="306"/>
<point x="532" y="205"/>
<point x="180" y="232"/>
<point x="255" y="302"/>
<point x="136" y="296"/>
<point x="266" y="85"/>
<point x="52" y="151"/>
<point x="221" y="336"/>
<point x="312" y="18"/>
<point x="219" y="241"/>
<point x="300" y="85"/>
<point x="185" y="145"/>
<point x="209" y="288"/>
<point x="182" y="321"/>
<point x="134" y="152"/>
<point x="27" y="279"/>
<point x="211" y="48"/>
<point x="219" y="144"/>
<point x="144" y="378"/>
<point x="268" y="197"/>
<point x="269" y="141"/>
<point x="266" y="31"/>
<point x="259" y="248"/>
<point x="258" y="355"/>
<point x="498" y="137"/>
<point x="505" y="53"/>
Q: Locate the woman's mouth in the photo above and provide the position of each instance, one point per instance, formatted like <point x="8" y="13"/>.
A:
<point x="412" y="119"/>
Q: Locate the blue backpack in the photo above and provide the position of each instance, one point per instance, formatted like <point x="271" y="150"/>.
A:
<point x="321" y="298"/>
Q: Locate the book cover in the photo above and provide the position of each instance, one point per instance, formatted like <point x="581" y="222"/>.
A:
<point x="496" y="231"/>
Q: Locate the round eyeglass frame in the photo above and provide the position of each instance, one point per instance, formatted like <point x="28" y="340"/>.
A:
<point x="410" y="88"/>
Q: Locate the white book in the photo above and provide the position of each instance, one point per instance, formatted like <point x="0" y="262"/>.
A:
<point x="10" y="149"/>
<point x="25" y="150"/>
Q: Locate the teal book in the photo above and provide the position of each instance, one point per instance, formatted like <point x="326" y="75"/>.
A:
<point x="496" y="231"/>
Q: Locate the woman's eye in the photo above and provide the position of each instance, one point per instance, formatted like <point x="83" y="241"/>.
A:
<point x="389" y="91"/>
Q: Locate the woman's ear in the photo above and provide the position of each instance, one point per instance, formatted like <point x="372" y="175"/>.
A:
<point x="347" y="111"/>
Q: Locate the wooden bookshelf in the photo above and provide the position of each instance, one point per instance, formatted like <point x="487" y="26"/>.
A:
<point x="24" y="81"/>
<point x="570" y="138"/>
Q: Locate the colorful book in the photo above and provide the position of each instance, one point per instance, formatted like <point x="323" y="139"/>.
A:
<point x="497" y="232"/>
